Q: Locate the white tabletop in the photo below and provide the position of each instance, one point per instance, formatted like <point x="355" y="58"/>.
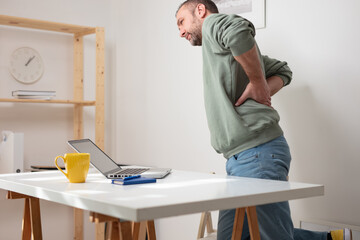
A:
<point x="177" y="194"/>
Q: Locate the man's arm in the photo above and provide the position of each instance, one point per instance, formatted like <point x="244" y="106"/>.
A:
<point x="278" y="74"/>
<point x="274" y="67"/>
<point x="275" y="83"/>
<point x="258" y="89"/>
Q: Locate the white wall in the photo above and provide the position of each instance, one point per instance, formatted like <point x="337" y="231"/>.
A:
<point x="160" y="114"/>
<point x="320" y="40"/>
<point x="155" y="114"/>
<point x="47" y="127"/>
<point x="161" y="119"/>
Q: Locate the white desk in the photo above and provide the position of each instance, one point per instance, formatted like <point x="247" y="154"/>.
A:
<point x="178" y="194"/>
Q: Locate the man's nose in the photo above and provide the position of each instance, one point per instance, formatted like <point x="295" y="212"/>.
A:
<point x="182" y="32"/>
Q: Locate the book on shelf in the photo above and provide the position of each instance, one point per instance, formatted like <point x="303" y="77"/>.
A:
<point x="33" y="93"/>
<point x="35" y="97"/>
<point x="30" y="94"/>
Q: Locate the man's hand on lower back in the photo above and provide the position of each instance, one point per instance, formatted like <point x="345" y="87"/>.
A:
<point x="260" y="92"/>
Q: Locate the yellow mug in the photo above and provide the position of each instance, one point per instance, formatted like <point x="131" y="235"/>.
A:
<point x="76" y="165"/>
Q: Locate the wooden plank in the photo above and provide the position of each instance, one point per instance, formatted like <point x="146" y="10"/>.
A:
<point x="151" y="230"/>
<point x="136" y="230"/>
<point x="100" y="76"/>
<point x="238" y="223"/>
<point x="15" y="100"/>
<point x="202" y="225"/>
<point x="99" y="231"/>
<point x="99" y="218"/>
<point x="15" y="195"/>
<point x="45" y="25"/>
<point x="209" y="224"/>
<point x="78" y="224"/>
<point x="253" y="223"/>
<point x="78" y="77"/>
<point x="139" y="230"/>
<point x="26" y="222"/>
<point x="35" y="218"/>
<point x="114" y="231"/>
<point x="78" y="122"/>
<point x="142" y="232"/>
<point x="85" y="32"/>
<point x="78" y="95"/>
<point x="125" y="231"/>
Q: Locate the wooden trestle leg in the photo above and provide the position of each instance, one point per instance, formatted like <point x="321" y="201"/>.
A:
<point x="124" y="230"/>
<point x="31" y="224"/>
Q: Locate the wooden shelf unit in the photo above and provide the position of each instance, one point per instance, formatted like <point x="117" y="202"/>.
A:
<point x="78" y="33"/>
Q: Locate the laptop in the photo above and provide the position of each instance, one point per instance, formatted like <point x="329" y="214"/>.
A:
<point x="108" y="167"/>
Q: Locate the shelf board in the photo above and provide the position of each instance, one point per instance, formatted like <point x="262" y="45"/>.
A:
<point x="45" y="25"/>
<point x="15" y="100"/>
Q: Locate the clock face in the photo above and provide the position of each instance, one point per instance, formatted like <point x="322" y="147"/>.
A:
<point x="26" y="65"/>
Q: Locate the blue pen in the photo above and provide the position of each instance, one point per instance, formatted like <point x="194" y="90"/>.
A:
<point x="131" y="177"/>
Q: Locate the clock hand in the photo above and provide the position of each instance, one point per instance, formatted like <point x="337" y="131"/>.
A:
<point x="30" y="59"/>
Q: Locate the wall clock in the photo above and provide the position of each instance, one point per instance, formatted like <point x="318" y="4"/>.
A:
<point x="26" y="65"/>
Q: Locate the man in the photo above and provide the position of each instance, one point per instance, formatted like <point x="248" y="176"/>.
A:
<point x="238" y="85"/>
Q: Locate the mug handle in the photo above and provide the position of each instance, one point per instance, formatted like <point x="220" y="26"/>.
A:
<point x="60" y="167"/>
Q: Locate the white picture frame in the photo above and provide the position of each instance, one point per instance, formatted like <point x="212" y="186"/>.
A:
<point x="253" y="10"/>
<point x="258" y="14"/>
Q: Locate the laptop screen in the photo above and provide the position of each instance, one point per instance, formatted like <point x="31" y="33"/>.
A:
<point x="98" y="158"/>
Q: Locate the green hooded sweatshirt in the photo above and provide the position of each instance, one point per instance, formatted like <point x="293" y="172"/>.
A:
<point x="235" y="129"/>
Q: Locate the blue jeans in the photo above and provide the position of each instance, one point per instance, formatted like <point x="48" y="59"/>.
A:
<point x="270" y="160"/>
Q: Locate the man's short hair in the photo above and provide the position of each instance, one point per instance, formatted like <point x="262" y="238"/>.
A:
<point x="191" y="4"/>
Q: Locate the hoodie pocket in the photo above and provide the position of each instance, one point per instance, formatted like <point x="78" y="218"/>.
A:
<point x="257" y="116"/>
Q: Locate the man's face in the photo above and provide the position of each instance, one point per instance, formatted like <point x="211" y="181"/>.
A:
<point x="189" y="26"/>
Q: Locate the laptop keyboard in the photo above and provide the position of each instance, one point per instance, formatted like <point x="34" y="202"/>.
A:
<point x="132" y="171"/>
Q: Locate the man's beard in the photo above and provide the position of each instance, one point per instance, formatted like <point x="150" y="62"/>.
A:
<point x="196" y="34"/>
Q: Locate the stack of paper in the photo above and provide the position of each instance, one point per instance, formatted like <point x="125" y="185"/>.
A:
<point x="29" y="94"/>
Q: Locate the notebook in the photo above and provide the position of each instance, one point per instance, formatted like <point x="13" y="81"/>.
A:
<point x="108" y="167"/>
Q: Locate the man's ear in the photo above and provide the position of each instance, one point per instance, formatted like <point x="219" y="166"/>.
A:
<point x="200" y="11"/>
